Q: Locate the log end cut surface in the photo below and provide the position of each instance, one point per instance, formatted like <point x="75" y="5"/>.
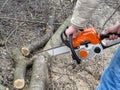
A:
<point x="25" y="51"/>
<point x="19" y="83"/>
<point x="7" y="88"/>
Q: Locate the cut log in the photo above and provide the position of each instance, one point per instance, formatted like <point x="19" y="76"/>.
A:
<point x="40" y="74"/>
<point x="36" y="44"/>
<point x="21" y="63"/>
<point x="40" y="43"/>
<point x="3" y="87"/>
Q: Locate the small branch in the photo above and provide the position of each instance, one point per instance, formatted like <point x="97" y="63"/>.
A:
<point x="110" y="17"/>
<point x="2" y="43"/>
<point x="13" y="32"/>
<point x="26" y="21"/>
<point x="10" y="36"/>
<point x="3" y="5"/>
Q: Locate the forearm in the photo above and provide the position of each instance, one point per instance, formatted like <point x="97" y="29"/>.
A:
<point x="83" y="11"/>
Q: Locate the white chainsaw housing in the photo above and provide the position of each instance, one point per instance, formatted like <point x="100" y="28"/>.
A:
<point x="91" y="50"/>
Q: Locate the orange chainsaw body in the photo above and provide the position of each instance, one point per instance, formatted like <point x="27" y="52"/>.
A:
<point x="87" y="44"/>
<point x="87" y="35"/>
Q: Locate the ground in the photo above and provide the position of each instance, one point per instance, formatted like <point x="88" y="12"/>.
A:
<point x="23" y="21"/>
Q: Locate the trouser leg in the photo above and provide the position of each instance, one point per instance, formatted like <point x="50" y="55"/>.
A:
<point x="110" y="79"/>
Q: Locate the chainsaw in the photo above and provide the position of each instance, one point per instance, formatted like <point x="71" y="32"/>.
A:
<point x="87" y="44"/>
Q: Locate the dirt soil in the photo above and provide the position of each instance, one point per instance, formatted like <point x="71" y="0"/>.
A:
<point x="23" y="21"/>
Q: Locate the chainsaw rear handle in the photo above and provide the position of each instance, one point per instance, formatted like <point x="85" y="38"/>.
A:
<point x="104" y="36"/>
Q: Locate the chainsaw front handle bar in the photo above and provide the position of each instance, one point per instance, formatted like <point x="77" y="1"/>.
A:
<point x="74" y="55"/>
<point x="64" y="37"/>
<point x="68" y="42"/>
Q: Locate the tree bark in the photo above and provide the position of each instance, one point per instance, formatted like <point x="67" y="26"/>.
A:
<point x="21" y="63"/>
<point x="40" y="74"/>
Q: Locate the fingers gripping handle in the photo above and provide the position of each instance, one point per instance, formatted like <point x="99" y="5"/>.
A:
<point x="103" y="36"/>
<point x="112" y="43"/>
<point x="68" y="42"/>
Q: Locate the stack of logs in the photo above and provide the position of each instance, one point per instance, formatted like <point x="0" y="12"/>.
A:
<point x="40" y="74"/>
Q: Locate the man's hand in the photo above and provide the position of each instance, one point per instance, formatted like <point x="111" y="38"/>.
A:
<point x="71" y="30"/>
<point x="113" y="29"/>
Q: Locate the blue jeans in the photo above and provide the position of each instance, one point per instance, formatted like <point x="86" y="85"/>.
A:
<point x="110" y="79"/>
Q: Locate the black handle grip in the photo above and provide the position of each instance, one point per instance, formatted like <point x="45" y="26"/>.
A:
<point x="103" y="36"/>
<point x="111" y="43"/>
<point x="74" y="55"/>
<point x="64" y="37"/>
